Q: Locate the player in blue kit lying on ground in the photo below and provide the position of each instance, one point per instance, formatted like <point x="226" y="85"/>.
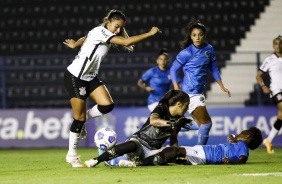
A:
<point x="235" y="151"/>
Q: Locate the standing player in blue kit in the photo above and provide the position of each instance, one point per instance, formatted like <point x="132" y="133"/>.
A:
<point x="156" y="80"/>
<point x="196" y="59"/>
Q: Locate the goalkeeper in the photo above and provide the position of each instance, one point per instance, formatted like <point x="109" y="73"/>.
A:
<point x="145" y="146"/>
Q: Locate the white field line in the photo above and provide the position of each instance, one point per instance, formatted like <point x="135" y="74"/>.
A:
<point x="262" y="174"/>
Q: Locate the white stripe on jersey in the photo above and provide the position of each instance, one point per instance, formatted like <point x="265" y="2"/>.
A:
<point x="273" y="65"/>
<point x="95" y="47"/>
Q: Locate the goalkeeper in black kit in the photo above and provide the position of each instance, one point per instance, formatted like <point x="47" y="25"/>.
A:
<point x="144" y="147"/>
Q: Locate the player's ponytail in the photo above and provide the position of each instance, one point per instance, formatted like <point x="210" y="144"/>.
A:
<point x="173" y="96"/>
<point x="117" y="15"/>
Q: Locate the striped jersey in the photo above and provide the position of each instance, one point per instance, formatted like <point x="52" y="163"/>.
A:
<point x="87" y="62"/>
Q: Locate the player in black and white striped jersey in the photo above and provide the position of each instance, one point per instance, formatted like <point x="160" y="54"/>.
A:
<point x="81" y="79"/>
<point x="273" y="65"/>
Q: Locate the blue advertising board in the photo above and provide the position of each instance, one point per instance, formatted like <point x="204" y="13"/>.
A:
<point x="43" y="128"/>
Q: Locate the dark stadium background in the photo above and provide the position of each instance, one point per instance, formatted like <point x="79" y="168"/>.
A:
<point x="33" y="57"/>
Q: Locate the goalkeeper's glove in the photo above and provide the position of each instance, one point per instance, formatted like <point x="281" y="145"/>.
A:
<point x="185" y="123"/>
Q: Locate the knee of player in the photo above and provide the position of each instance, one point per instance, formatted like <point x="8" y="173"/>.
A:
<point x="106" y="108"/>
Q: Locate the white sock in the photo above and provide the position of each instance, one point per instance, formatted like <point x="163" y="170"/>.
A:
<point x="272" y="134"/>
<point x="93" y="112"/>
<point x="73" y="143"/>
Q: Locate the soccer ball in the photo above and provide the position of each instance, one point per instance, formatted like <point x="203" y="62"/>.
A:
<point x="105" y="138"/>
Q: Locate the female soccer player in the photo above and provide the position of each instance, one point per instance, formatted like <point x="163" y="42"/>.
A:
<point x="144" y="146"/>
<point x="81" y="78"/>
<point x="273" y="65"/>
<point x="196" y="59"/>
<point x="235" y="151"/>
<point x="156" y="80"/>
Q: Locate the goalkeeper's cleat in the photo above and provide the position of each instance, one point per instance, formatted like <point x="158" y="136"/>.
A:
<point x="268" y="146"/>
<point x="83" y="133"/>
<point x="126" y="163"/>
<point x="74" y="161"/>
<point x="91" y="163"/>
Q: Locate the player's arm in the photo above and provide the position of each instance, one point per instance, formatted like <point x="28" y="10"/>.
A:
<point x="155" y="120"/>
<point x="173" y="140"/>
<point x="217" y="78"/>
<point x="73" y="44"/>
<point x="241" y="160"/>
<point x="259" y="78"/>
<point x="134" y="39"/>
<point x="143" y="85"/>
<point x="174" y="74"/>
<point x="223" y="88"/>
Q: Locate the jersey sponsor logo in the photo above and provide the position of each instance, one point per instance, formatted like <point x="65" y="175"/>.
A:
<point x="82" y="91"/>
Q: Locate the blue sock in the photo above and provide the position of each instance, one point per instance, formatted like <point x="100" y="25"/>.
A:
<point x="203" y="134"/>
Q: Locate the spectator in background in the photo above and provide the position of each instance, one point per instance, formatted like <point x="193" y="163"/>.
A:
<point x="81" y="80"/>
<point x="196" y="59"/>
<point x="273" y="65"/>
<point x="156" y="80"/>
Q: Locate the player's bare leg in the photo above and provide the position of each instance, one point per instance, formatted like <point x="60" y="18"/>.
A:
<point x="79" y="111"/>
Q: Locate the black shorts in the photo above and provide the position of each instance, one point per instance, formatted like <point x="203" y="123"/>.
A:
<point x="78" y="88"/>
<point x="277" y="98"/>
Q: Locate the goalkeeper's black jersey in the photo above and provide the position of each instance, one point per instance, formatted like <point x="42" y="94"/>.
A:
<point x="154" y="137"/>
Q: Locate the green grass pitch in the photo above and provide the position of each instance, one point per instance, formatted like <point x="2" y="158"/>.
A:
<point x="42" y="166"/>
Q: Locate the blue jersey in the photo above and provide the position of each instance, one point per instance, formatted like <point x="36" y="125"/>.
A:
<point x="159" y="80"/>
<point x="195" y="63"/>
<point x="215" y="153"/>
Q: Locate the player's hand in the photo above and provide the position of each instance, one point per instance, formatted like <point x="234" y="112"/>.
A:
<point x="154" y="31"/>
<point x="149" y="89"/>
<point x="231" y="138"/>
<point x="185" y="123"/>
<point x="226" y="160"/>
<point x="224" y="89"/>
<point x="70" y="43"/>
<point x="265" y="90"/>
